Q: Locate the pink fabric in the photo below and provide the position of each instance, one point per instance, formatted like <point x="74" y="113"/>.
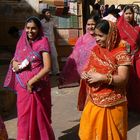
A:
<point x="34" y="109"/>
<point x="70" y="75"/>
<point x="34" y="115"/>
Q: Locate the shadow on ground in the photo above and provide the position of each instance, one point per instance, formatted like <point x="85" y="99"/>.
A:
<point x="54" y="80"/>
<point x="11" y="115"/>
<point x="70" y="134"/>
<point x="133" y="119"/>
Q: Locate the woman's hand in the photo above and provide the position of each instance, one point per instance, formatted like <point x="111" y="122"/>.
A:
<point x="84" y="75"/>
<point x="29" y="86"/>
<point x="15" y="65"/>
<point x="94" y="77"/>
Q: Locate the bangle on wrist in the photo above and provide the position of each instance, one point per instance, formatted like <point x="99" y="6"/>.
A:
<point x="109" y="79"/>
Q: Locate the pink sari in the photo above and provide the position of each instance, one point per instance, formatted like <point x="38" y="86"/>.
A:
<point x="34" y="109"/>
<point x="131" y="34"/>
<point x="70" y="75"/>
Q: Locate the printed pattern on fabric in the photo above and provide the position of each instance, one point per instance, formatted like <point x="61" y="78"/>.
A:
<point x="102" y="94"/>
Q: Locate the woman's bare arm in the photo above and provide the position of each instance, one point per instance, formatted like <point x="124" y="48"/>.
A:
<point x="119" y="79"/>
<point x="46" y="68"/>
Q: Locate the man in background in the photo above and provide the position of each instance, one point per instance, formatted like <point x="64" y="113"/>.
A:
<point x="48" y="29"/>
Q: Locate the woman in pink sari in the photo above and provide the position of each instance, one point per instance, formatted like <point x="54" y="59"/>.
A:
<point x="70" y="75"/>
<point x="28" y="76"/>
<point x="130" y="32"/>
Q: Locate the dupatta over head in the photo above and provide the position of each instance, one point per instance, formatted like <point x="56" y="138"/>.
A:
<point x="106" y="61"/>
<point x="34" y="108"/>
<point x="30" y="51"/>
<point x="129" y="33"/>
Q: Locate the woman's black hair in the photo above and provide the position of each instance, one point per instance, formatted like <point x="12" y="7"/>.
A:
<point x="45" y="10"/>
<point x="111" y="9"/>
<point x="95" y="17"/>
<point x="103" y="26"/>
<point x="128" y="7"/>
<point x="35" y="19"/>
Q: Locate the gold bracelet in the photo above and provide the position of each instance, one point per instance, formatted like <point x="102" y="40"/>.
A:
<point x="109" y="78"/>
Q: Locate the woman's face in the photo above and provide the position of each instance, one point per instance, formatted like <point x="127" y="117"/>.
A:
<point x="90" y="26"/>
<point x="100" y="38"/>
<point x="128" y="15"/>
<point x="31" y="30"/>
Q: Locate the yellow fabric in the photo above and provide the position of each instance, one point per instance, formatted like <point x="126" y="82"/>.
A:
<point x="99" y="123"/>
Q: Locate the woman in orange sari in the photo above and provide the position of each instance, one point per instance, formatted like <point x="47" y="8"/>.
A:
<point x="105" y="113"/>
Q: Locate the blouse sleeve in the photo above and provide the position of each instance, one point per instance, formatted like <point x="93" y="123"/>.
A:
<point x="44" y="45"/>
<point x="123" y="57"/>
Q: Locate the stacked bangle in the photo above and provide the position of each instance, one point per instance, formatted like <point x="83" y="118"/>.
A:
<point x="109" y="78"/>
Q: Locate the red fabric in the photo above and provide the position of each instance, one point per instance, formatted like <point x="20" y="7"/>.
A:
<point x="106" y="62"/>
<point x="82" y="97"/>
<point x="131" y="34"/>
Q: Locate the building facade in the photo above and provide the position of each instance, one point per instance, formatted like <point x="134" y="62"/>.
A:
<point x="117" y="2"/>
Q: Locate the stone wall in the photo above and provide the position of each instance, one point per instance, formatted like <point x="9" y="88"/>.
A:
<point x="14" y="13"/>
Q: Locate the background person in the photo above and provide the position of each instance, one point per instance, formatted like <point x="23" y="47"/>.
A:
<point x="112" y="14"/>
<point x="48" y="29"/>
<point x="28" y="76"/>
<point x="71" y="72"/>
<point x="130" y="32"/>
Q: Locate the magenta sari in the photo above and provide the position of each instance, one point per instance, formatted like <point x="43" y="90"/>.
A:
<point x="34" y="109"/>
<point x="70" y="75"/>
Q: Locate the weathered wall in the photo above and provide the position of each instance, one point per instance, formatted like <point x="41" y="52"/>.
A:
<point x="34" y="4"/>
<point x="14" y="13"/>
<point x="117" y="2"/>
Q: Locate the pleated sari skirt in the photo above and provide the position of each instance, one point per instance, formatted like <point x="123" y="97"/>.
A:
<point x="99" y="123"/>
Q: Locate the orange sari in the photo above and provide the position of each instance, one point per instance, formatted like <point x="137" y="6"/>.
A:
<point x="104" y="123"/>
<point x="105" y="113"/>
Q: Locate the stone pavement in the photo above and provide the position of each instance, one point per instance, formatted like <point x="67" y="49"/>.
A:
<point x="65" y="116"/>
